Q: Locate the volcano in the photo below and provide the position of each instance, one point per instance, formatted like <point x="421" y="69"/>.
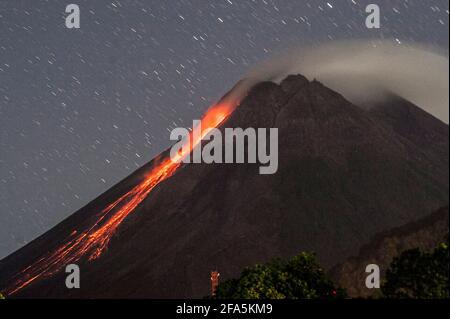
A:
<point x="345" y="173"/>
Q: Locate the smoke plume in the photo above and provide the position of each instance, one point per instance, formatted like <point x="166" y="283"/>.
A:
<point x="364" y="71"/>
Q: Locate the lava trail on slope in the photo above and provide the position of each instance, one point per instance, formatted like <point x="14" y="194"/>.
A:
<point x="93" y="242"/>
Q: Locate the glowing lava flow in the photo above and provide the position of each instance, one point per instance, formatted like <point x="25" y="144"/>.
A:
<point x="92" y="242"/>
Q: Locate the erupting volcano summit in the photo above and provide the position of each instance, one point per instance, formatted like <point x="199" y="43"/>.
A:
<point x="345" y="173"/>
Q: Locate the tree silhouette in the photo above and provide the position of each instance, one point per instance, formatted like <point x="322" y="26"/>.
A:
<point x="417" y="274"/>
<point x="298" y="277"/>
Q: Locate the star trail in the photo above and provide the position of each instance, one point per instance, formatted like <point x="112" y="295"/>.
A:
<point x="80" y="109"/>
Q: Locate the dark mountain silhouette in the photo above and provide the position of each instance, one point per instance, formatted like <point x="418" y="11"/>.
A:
<point x="425" y="234"/>
<point x="345" y="173"/>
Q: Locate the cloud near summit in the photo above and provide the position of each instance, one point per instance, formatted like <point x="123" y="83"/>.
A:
<point x="363" y="71"/>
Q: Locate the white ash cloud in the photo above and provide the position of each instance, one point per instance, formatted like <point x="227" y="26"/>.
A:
<point x="363" y="71"/>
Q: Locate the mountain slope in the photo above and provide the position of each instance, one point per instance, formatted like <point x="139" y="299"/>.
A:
<point x="345" y="173"/>
<point x="426" y="234"/>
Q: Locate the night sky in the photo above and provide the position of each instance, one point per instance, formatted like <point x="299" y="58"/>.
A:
<point x="80" y="109"/>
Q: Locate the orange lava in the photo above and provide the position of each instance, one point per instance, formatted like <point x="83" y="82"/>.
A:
<point x="93" y="242"/>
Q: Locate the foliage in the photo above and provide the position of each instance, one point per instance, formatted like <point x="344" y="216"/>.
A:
<point x="298" y="277"/>
<point x="417" y="274"/>
<point x="1" y="296"/>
